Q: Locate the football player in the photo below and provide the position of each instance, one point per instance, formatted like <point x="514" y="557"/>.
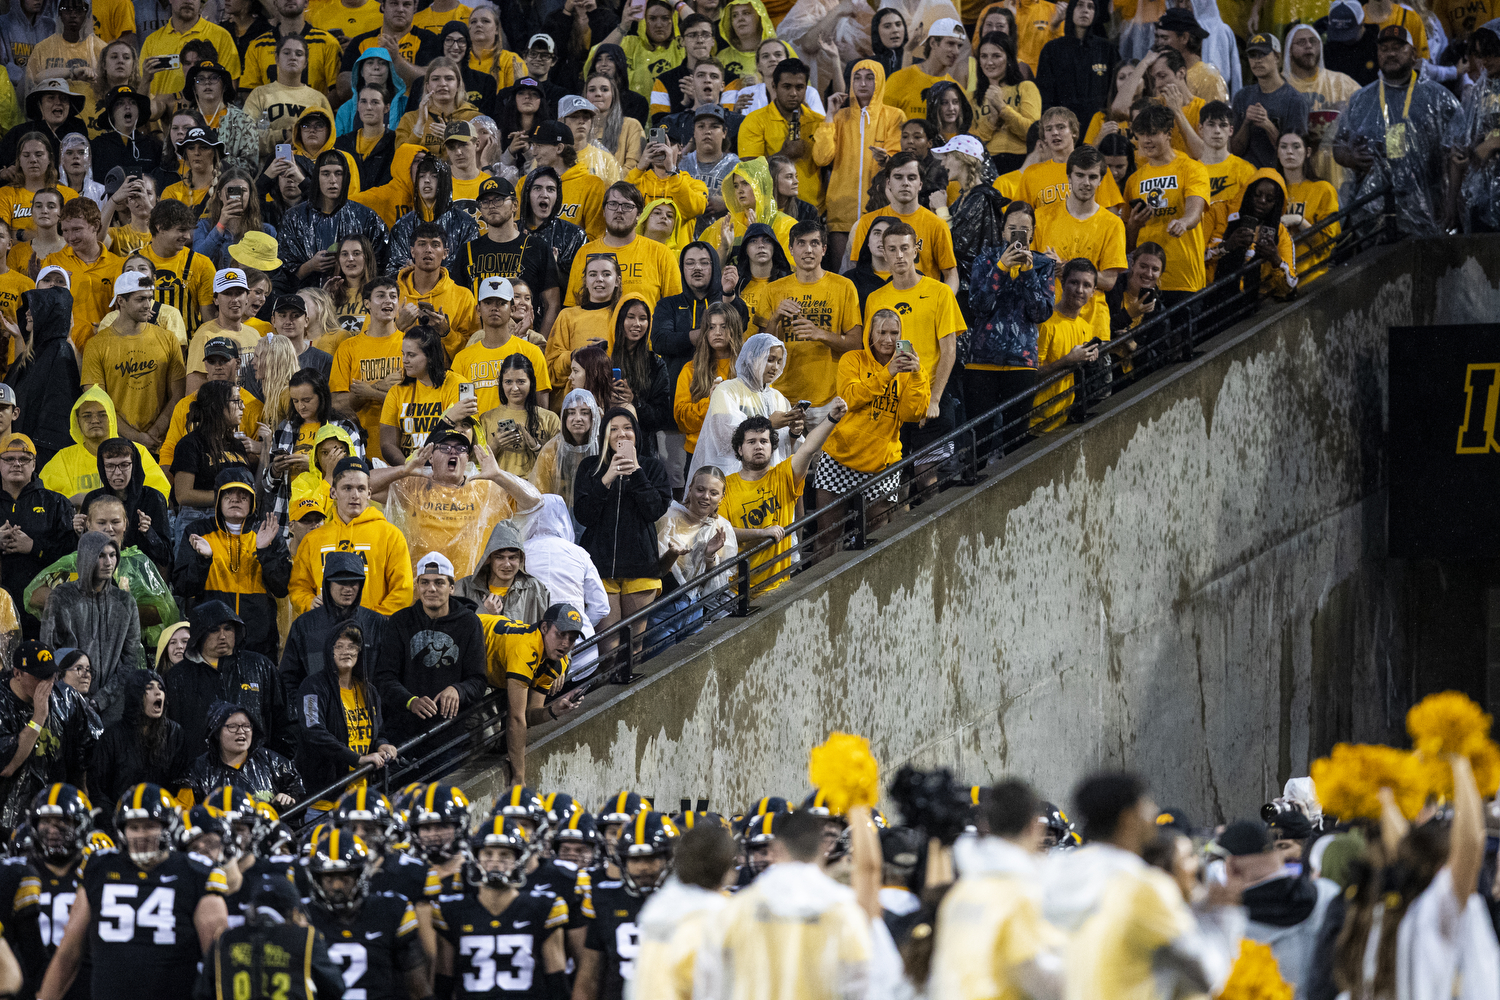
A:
<point x="644" y="854"/>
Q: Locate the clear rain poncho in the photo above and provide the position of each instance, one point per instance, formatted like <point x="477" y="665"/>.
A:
<point x="734" y="401"/>
<point x="1479" y="116"/>
<point x="556" y="468"/>
<point x="1406" y="136"/>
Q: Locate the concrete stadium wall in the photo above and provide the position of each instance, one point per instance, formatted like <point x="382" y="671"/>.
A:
<point x="1192" y="585"/>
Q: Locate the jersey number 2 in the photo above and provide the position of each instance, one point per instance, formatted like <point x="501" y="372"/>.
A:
<point x="482" y="950"/>
<point x="118" y="919"/>
<point x="355" y="961"/>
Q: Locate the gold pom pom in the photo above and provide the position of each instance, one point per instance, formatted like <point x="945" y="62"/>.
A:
<point x="843" y="768"/>
<point x="1349" y="780"/>
<point x="1256" y="975"/>
<point x="1451" y="723"/>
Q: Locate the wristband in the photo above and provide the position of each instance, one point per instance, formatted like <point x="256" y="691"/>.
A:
<point x="552" y="712"/>
<point x="411" y="699"/>
<point x="33" y="725"/>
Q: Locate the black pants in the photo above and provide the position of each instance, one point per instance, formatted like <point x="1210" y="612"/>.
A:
<point x="986" y="389"/>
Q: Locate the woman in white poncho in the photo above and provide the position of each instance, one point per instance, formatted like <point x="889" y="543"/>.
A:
<point x="692" y="538"/>
<point x="748" y="394"/>
<point x="557" y="463"/>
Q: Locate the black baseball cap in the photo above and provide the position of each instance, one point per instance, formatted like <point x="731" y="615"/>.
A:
<point x="710" y="110"/>
<point x="290" y="303"/>
<point x="36" y="658"/>
<point x="458" y="132"/>
<point x="222" y="347"/>
<point x="564" y="617"/>
<point x="495" y="187"/>
<point x="351" y="463"/>
<point x="551" y="133"/>
<point x="1245" y="837"/>
<point x="1181" y="20"/>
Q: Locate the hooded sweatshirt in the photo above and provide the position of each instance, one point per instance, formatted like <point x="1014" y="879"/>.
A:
<point x="394" y="198"/>
<point x="426" y="128"/>
<point x="264" y="774"/>
<point x="525" y="599"/>
<point x="730" y="55"/>
<point x="347" y="119"/>
<point x="139" y="497"/>
<point x="46" y="517"/>
<point x="104" y="624"/>
<point x="1008" y="304"/>
<point x="677" y="316"/>
<point x="1282" y="278"/>
<point x="1286" y="912"/>
<point x="47" y="384"/>
<point x="247" y="577"/>
<point x="124" y="757"/>
<point x="868" y="437"/>
<point x="388" y="580"/>
<point x="305" y="152"/>
<point x="305" y="230"/>
<point x="844" y="142"/>
<point x="304" y="652"/>
<point x="647" y="60"/>
<point x="563" y="234"/>
<point x="758" y="173"/>
<point x="61" y="753"/>
<point x="420" y="656"/>
<point x="619" y="520"/>
<point x="246" y="679"/>
<point x="1076" y="73"/>
<point x="325" y="754"/>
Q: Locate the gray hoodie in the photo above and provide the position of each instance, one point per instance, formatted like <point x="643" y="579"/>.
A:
<point x="527" y="597"/>
<point x="105" y="624"/>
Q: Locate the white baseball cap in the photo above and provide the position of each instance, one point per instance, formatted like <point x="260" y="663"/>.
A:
<point x="496" y="288"/>
<point x="572" y="104"/>
<point x="947" y="27"/>
<point x="545" y="41"/>
<point x="128" y="283"/>
<point x="963" y="143"/>
<point x="230" y="277"/>
<point x="435" y="562"/>
<point x="54" y="269"/>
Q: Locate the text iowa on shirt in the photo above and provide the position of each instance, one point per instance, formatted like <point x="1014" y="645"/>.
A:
<point x="760" y="511"/>
<point x="1482" y="389"/>
<point x="361" y="549"/>
<point x="494" y="265"/>
<point x="419" y="418"/>
<point x="1154" y="190"/>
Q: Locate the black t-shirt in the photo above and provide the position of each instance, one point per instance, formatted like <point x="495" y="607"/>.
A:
<point x="376" y="947"/>
<point x="192" y="455"/>
<point x="614" y="932"/>
<point x="526" y="257"/>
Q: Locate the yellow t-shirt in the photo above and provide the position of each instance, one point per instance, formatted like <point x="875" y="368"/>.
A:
<point x="929" y="312"/>
<point x="1100" y="238"/>
<point x="771" y="499"/>
<point x="55" y="53"/>
<point x="246" y="336"/>
<point x="1227" y="180"/>
<point x="333" y="16"/>
<point x="1110" y="956"/>
<point x="190" y="197"/>
<point x="15" y="205"/>
<point x="93" y="287"/>
<point x="832" y="303"/>
<point x="12" y="284"/>
<point x="903" y="89"/>
<point x="433" y="19"/>
<point x="934" y="238"/>
<point x="515" y="649"/>
<point x="124" y="240"/>
<point x="480" y="365"/>
<point x="363" y="358"/>
<point x="1190" y="112"/>
<point x="1046" y="182"/>
<point x="414" y="409"/>
<point x="357" y="718"/>
<point x="1167" y="189"/>
<point x="168" y="41"/>
<point x="185" y="282"/>
<point x="647" y="270"/>
<point x="112" y="18"/>
<point x="136" y="371"/>
<point x="991" y="924"/>
<point x="1054" y="339"/>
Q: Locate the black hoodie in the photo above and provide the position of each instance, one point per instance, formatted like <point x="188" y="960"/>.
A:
<point x="325" y="756"/>
<point x="47" y="386"/>
<point x="123" y="756"/>
<point x="47" y="518"/>
<point x="480" y="86"/>
<point x="156" y="541"/>
<point x="677" y="316"/>
<point x="304" y="653"/>
<point x="619" y="520"/>
<point x="248" y="578"/>
<point x="780" y="266"/>
<point x="264" y="773"/>
<point x="1076" y="74"/>
<point x="562" y="236"/>
<point x="421" y="656"/>
<point x="374" y="166"/>
<point x="653" y="397"/>
<point x="245" y="678"/>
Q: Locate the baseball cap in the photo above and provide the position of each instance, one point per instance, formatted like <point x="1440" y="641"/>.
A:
<point x="458" y="132"/>
<point x="462" y="435"/>
<point x="1264" y="42"/>
<point x="715" y="111"/>
<point x="1181" y="20"/>
<point x="572" y="104"/>
<point x="7" y="395"/>
<point x="351" y="463"/>
<point x="1246" y="836"/>
<point x="496" y="288"/>
<point x="128" y="283"/>
<point x="307" y="501"/>
<point x="528" y="82"/>
<point x="1291" y="824"/>
<point x="1346" y="20"/>
<point x="551" y="133"/>
<point x="966" y="144"/>
<point x="495" y="187"/>
<point x="34" y="658"/>
<point x="17" y="442"/>
<point x="565" y="617"/>
<point x="947" y="27"/>
<point x="1176" y="819"/>
<point x="1394" y="33"/>
<point x="222" y="347"/>
<point x="544" y="40"/>
<point x="54" y="269"/>
<point x="230" y="277"/>
<point x="288" y="304"/>
<point x="435" y="562"/>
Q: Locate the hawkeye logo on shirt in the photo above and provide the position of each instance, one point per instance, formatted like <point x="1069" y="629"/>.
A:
<point x="904" y="308"/>
<point x="1154" y="190"/>
<point x="1482" y="385"/>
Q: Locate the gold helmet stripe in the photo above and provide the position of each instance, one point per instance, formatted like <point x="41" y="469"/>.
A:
<point x="640" y="826"/>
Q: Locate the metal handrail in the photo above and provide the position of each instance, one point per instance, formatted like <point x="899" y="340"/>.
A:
<point x="1168" y="336"/>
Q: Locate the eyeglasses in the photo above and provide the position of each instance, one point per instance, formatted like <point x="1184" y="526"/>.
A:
<point x="80" y="668"/>
<point x="244" y="728"/>
<point x="620" y="206"/>
<point x="20" y="459"/>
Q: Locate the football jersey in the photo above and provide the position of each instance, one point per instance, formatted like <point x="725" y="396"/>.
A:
<point x="563" y="880"/>
<point x="239" y="902"/>
<point x="499" y="954"/>
<point x="402" y="874"/>
<point x="143" y="941"/>
<point x="55" y="905"/>
<point x="375" y="948"/>
<point x="613" y="932"/>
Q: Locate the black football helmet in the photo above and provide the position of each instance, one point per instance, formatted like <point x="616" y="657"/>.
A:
<point x="148" y="802"/>
<point x="618" y="809"/>
<point x="440" y="805"/>
<point x="526" y="807"/>
<point x="687" y="820"/>
<point x="1060" y="835"/>
<point x="560" y="805"/>
<point x="60" y="818"/>
<point x="648" y="835"/>
<point x="579" y="828"/>
<point x="503" y="832"/>
<point x="338" y="852"/>
<point x="370" y="816"/>
<point x="200" y="821"/>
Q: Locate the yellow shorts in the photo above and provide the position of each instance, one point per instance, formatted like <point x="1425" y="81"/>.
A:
<point x="631" y="585"/>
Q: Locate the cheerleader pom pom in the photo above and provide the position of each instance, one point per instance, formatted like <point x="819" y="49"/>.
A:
<point x="843" y="768"/>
